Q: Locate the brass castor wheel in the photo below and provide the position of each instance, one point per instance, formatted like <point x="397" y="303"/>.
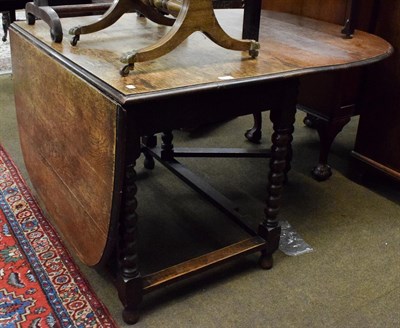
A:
<point x="254" y="53"/>
<point x="74" y="40"/>
<point x="254" y="49"/>
<point x="124" y="71"/>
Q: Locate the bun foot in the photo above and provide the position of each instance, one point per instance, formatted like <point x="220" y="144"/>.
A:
<point x="149" y="162"/>
<point x="321" y="172"/>
<point x="253" y="135"/>
<point x="310" y="121"/>
<point x="266" y="262"/>
<point x="130" y="316"/>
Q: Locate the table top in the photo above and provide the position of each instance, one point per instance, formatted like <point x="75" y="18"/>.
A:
<point x="290" y="46"/>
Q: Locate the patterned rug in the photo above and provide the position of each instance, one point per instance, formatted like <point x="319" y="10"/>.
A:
<point x="40" y="286"/>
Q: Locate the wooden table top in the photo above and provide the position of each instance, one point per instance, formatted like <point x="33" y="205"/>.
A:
<point x="290" y="46"/>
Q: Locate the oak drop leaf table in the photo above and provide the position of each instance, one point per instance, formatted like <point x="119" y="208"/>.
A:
<point x="81" y="123"/>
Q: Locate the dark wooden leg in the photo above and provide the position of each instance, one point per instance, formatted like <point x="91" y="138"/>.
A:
<point x="130" y="288"/>
<point x="12" y="16"/>
<point x="254" y="134"/>
<point x="289" y="156"/>
<point x="6" y="20"/>
<point x="283" y="118"/>
<point x="327" y="133"/>
<point x="167" y="147"/>
<point x="149" y="142"/>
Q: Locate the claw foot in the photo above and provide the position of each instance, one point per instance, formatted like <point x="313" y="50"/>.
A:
<point x="321" y="172"/>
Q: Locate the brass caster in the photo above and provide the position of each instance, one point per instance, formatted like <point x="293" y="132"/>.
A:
<point x="254" y="49"/>
<point x="124" y="71"/>
<point x="74" y="40"/>
<point x="30" y="19"/>
<point x="129" y="59"/>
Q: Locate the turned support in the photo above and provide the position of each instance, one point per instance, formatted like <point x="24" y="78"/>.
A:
<point x="282" y="117"/>
<point x="167" y="148"/>
<point x="149" y="141"/>
<point x="129" y="280"/>
<point x="6" y="20"/>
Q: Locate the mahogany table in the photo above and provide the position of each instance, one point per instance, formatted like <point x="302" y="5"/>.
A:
<point x="81" y="124"/>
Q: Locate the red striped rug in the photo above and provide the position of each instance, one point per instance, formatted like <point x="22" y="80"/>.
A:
<point x="40" y="285"/>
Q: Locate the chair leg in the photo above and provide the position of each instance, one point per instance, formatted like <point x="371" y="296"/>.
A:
<point x="6" y="23"/>
<point x="327" y="133"/>
<point x="149" y="141"/>
<point x="254" y="134"/>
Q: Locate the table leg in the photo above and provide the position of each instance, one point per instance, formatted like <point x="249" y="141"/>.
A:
<point x="167" y="152"/>
<point x="327" y="133"/>
<point x="6" y="20"/>
<point x="282" y="117"/>
<point x="254" y="134"/>
<point x="188" y="22"/>
<point x="130" y="285"/>
<point x="149" y="141"/>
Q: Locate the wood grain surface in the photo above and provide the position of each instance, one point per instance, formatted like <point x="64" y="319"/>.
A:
<point x="69" y="146"/>
<point x="290" y="46"/>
